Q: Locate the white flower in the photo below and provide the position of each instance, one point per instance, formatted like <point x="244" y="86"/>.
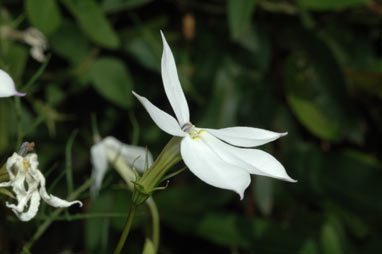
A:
<point x="213" y="155"/>
<point x="111" y="150"/>
<point x="25" y="179"/>
<point x="38" y="43"/>
<point x="7" y="86"/>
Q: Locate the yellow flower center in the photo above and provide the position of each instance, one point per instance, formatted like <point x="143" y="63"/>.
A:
<point x="192" y="131"/>
<point x="26" y="165"/>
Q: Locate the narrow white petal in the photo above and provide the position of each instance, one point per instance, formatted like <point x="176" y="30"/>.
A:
<point x="210" y="168"/>
<point x="32" y="210"/>
<point x="164" y="121"/>
<point x="245" y="136"/>
<point x="172" y="85"/>
<point x="133" y="155"/>
<point x="5" y="184"/>
<point x="53" y="200"/>
<point x="100" y="165"/>
<point x="7" y="86"/>
<point x="253" y="160"/>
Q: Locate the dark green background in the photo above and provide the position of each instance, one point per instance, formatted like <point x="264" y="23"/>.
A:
<point x="309" y="67"/>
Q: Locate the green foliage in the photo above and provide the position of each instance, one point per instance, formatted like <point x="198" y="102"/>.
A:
<point x="44" y="15"/>
<point x="112" y="80"/>
<point x="312" y="68"/>
<point x="93" y="22"/>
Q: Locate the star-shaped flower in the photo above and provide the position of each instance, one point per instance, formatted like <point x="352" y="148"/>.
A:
<point x="25" y="179"/>
<point x="219" y="157"/>
<point x="7" y="86"/>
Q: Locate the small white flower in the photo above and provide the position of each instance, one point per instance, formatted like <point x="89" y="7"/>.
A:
<point x="25" y="179"/>
<point x="7" y="86"/>
<point x="38" y="43"/>
<point x="111" y="150"/>
<point x="213" y="155"/>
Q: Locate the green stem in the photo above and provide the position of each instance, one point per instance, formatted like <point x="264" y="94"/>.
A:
<point x="155" y="217"/>
<point x="43" y="227"/>
<point x="126" y="230"/>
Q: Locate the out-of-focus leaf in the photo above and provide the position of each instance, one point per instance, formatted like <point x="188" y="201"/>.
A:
<point x="264" y="194"/>
<point x="122" y="5"/>
<point x="305" y="109"/>
<point x="330" y="4"/>
<point x="368" y="81"/>
<point x="309" y="247"/>
<point x="44" y="15"/>
<point x="149" y="247"/>
<point x="331" y="234"/>
<point x="224" y="103"/>
<point x="15" y="60"/>
<point x="146" y="50"/>
<point x="111" y="78"/>
<point x="182" y="207"/>
<point x="7" y="193"/>
<point x="93" y="22"/>
<point x="319" y="80"/>
<point x="222" y="229"/>
<point x="239" y="16"/>
<point x="69" y="42"/>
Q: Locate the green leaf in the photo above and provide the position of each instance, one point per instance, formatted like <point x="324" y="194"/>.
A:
<point x="44" y="15"/>
<point x="331" y="4"/>
<point x="69" y="42"/>
<point x="264" y="194"/>
<point x="93" y="23"/>
<point x="239" y="16"/>
<point x="111" y="78"/>
<point x="149" y="247"/>
<point x="7" y="193"/>
<point x="122" y="5"/>
<point x="331" y="234"/>
<point x="305" y="109"/>
<point x="222" y="229"/>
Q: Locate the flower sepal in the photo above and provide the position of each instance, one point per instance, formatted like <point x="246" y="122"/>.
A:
<point x="147" y="184"/>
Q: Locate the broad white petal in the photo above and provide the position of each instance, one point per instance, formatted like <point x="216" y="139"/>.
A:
<point x="172" y="85"/>
<point x="7" y="86"/>
<point x="253" y="160"/>
<point x="245" y="136"/>
<point x="100" y="165"/>
<point x="210" y="168"/>
<point x="53" y="200"/>
<point x="133" y="155"/>
<point x="163" y="120"/>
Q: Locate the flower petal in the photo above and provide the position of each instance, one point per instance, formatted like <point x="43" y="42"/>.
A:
<point x="33" y="208"/>
<point x="100" y="165"/>
<point x="253" y="160"/>
<point x="172" y="85"/>
<point x="133" y="155"/>
<point x="53" y="200"/>
<point x="210" y="168"/>
<point x="164" y="121"/>
<point x="245" y="136"/>
<point x="7" y="86"/>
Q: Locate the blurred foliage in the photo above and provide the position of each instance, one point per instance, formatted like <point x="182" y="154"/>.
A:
<point x="309" y="67"/>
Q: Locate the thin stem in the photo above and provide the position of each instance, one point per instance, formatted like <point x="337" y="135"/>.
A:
<point x="155" y="217"/>
<point x="126" y="230"/>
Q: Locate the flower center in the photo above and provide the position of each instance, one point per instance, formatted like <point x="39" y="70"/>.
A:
<point x="26" y="165"/>
<point x="191" y="130"/>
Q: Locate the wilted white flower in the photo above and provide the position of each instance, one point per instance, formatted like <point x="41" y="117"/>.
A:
<point x="7" y="86"/>
<point x="213" y="155"/>
<point x="38" y="43"/>
<point x="123" y="156"/>
<point x="28" y="184"/>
